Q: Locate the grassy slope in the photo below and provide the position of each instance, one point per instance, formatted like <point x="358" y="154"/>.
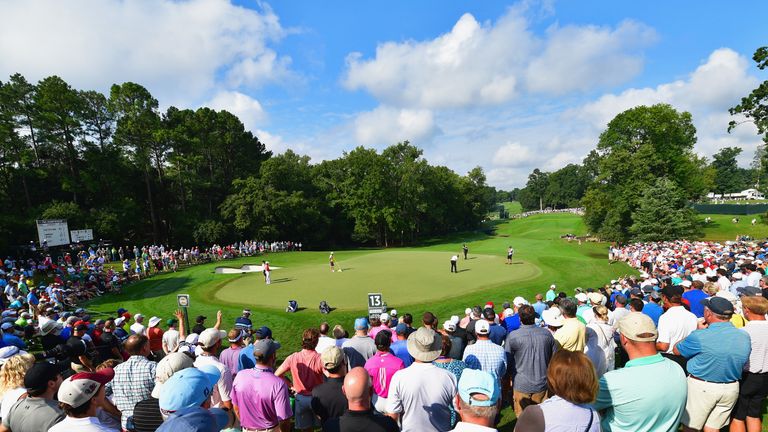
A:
<point x="721" y="228"/>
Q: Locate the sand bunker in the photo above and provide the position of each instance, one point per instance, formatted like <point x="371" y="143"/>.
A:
<point x="248" y="268"/>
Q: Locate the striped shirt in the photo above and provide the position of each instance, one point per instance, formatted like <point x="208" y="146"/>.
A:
<point x="486" y="356"/>
<point x="133" y="382"/>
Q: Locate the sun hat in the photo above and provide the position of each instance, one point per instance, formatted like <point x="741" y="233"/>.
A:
<point x="168" y="366"/>
<point x="154" y="321"/>
<point x="552" y="317"/>
<point x="209" y="337"/>
<point x="196" y="419"/>
<point x="482" y="327"/>
<point x="479" y="382"/>
<point x="265" y="347"/>
<point x="47" y="325"/>
<point x="81" y="387"/>
<point x="188" y="388"/>
<point x="424" y="345"/>
<point x="519" y="301"/>
<point x="718" y="305"/>
<point x="332" y="357"/>
<point x="639" y="327"/>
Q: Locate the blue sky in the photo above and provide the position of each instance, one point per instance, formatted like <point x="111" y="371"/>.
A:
<point x="508" y="86"/>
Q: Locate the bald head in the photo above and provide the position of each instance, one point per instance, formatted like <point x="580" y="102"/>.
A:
<point x="135" y="344"/>
<point x="357" y="388"/>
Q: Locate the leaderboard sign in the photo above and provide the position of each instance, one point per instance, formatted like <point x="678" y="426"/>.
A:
<point x="53" y="232"/>
<point x="376" y="305"/>
<point x="81" y="235"/>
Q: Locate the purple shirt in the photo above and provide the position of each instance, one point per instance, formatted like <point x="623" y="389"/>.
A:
<point x="230" y="358"/>
<point x="381" y="367"/>
<point x="261" y="398"/>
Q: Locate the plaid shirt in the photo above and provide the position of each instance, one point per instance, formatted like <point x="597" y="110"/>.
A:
<point x="486" y="356"/>
<point x="133" y="382"/>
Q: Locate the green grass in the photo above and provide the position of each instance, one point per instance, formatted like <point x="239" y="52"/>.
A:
<point x="722" y="229"/>
<point x="512" y="207"/>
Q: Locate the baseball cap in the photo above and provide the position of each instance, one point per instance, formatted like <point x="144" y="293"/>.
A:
<point x="246" y="311"/>
<point x="639" y="327"/>
<point x="449" y="326"/>
<point x="582" y="297"/>
<point x="361" y="324"/>
<point x="474" y="382"/>
<point x="39" y="374"/>
<point x="188" y="388"/>
<point x="401" y="329"/>
<point x="168" y="366"/>
<point x="265" y="347"/>
<point x="482" y="327"/>
<point x="138" y="316"/>
<point x="81" y="387"/>
<point x="332" y="357"/>
<point x="384" y="317"/>
<point x="686" y="283"/>
<point x="263" y="332"/>
<point x="670" y="291"/>
<point x="636" y="291"/>
<point x="393" y="312"/>
<point x="195" y="419"/>
<point x="209" y="337"/>
<point x="120" y="321"/>
<point x="121" y="311"/>
<point x="718" y="305"/>
<point x="171" y="322"/>
<point x="749" y="291"/>
<point x="519" y="301"/>
<point x="200" y="318"/>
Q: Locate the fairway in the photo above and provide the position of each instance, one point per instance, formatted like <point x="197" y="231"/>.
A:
<point x="402" y="276"/>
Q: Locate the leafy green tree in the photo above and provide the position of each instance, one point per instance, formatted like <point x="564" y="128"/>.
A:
<point x="639" y="146"/>
<point x="567" y="186"/>
<point x="64" y="210"/>
<point x="728" y="177"/>
<point x="209" y="232"/>
<point x="533" y="194"/>
<point x="663" y="214"/>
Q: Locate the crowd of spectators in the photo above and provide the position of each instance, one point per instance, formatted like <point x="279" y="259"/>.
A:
<point x="685" y="343"/>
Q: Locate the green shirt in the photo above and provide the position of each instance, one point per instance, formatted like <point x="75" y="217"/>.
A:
<point x="648" y="394"/>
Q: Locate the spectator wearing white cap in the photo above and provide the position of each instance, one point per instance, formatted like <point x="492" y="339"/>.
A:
<point x="550" y="296"/>
<point x="457" y="342"/>
<point x="422" y="385"/>
<point x="377" y="325"/>
<point x="230" y="357"/>
<point x="80" y="396"/>
<point x="484" y="354"/>
<point x="210" y="343"/>
<point x="602" y="332"/>
<point x="137" y="327"/>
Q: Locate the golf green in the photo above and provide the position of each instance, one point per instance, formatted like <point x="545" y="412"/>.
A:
<point x="402" y="276"/>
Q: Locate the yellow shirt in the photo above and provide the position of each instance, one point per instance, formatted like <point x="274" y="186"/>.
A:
<point x="738" y="321"/>
<point x="572" y="335"/>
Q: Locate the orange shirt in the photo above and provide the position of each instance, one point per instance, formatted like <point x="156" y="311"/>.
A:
<point x="155" y="335"/>
<point x="306" y="370"/>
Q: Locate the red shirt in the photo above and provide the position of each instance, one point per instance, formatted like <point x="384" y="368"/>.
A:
<point x="306" y="370"/>
<point x="155" y="335"/>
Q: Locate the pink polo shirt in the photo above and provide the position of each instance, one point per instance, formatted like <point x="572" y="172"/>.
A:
<point x="261" y="397"/>
<point x="374" y="331"/>
<point x="382" y="367"/>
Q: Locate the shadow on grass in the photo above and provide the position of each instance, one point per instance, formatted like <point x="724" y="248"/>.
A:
<point x="150" y="289"/>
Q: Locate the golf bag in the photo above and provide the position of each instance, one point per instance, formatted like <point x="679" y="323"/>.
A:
<point x="293" y="306"/>
<point x="324" y="308"/>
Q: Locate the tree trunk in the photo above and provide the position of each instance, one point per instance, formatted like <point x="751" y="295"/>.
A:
<point x="26" y="189"/>
<point x="33" y="139"/>
<point x="151" y="206"/>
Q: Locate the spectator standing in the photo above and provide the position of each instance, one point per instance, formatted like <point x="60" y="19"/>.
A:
<point x="456" y="367"/>
<point x="306" y="370"/>
<point x="38" y="411"/>
<point x="382" y="366"/>
<point x="261" y="400"/>
<point x="134" y="378"/>
<point x="457" y="342"/>
<point x="171" y="337"/>
<point x="629" y="397"/>
<point x="603" y="333"/>
<point x="529" y="351"/>
<point x="653" y="308"/>
<point x="155" y="336"/>
<point x="422" y="385"/>
<point x="400" y="346"/>
<point x="210" y="343"/>
<point x="572" y="387"/>
<point x="230" y="356"/>
<point x="146" y="414"/>
<point x="325" y="341"/>
<point x="359" y="416"/>
<point x="496" y="333"/>
<point x="81" y="396"/>
<point x="485" y="355"/>
<point x="572" y="335"/>
<point x="539" y="306"/>
<point x="716" y="353"/>
<point x="138" y="327"/>
<point x="199" y="326"/>
<point x="359" y="348"/>
<point x="694" y="296"/>
<point x="753" y="388"/>
<point x="328" y="400"/>
<point x="675" y="324"/>
<point x="478" y="400"/>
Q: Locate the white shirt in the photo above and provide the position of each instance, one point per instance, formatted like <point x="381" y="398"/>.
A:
<point x="224" y="386"/>
<point x="171" y="340"/>
<point x="724" y="283"/>
<point x="137" y="328"/>
<point x="754" y="279"/>
<point x="758" y="357"/>
<point x="10" y="397"/>
<point x="616" y="315"/>
<point x="675" y="325"/>
<point x="324" y="343"/>
<point x="87" y="424"/>
<point x="422" y="385"/>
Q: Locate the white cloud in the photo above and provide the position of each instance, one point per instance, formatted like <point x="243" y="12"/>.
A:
<point x="246" y="108"/>
<point x="180" y="50"/>
<point x="386" y="126"/>
<point x="492" y="63"/>
<point x="513" y="155"/>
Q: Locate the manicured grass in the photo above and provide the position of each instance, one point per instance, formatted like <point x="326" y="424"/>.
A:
<point x="512" y="207"/>
<point x="722" y="229"/>
<point x="426" y="285"/>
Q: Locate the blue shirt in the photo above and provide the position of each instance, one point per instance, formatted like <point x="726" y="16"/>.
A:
<point x="512" y="323"/>
<point x="694" y="297"/>
<point x="717" y="353"/>
<point x="654" y="311"/>
<point x="9" y="339"/>
<point x="246" y="359"/>
<point x="539" y="307"/>
<point x="497" y="334"/>
<point x="400" y="349"/>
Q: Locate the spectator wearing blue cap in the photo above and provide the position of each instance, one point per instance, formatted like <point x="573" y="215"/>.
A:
<point x="400" y="346"/>
<point x="185" y="400"/>
<point x="246" y="359"/>
<point x="359" y="348"/>
<point x="478" y="401"/>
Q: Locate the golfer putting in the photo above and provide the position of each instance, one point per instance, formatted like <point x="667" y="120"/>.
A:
<point x="332" y="262"/>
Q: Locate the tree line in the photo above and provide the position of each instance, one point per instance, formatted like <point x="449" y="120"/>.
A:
<point x="117" y="164"/>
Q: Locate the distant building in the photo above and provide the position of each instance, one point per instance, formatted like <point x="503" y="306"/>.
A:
<point x="745" y="195"/>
